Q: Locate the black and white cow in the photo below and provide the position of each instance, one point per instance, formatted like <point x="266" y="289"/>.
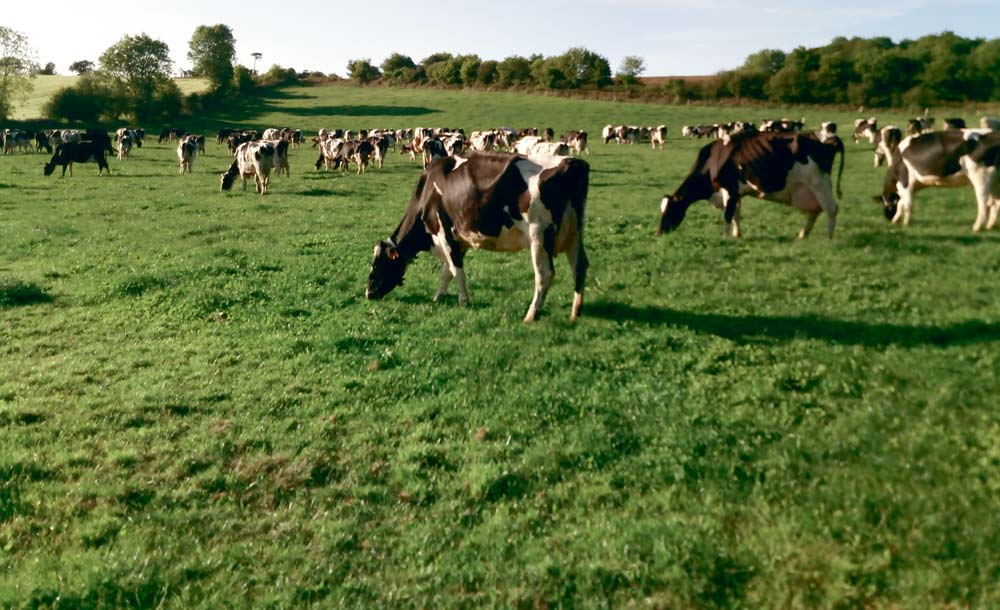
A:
<point x="495" y="202"/>
<point x="281" y="165"/>
<point x="989" y="122"/>
<point x="42" y="141"/>
<point x="889" y="138"/>
<point x="788" y="168"/>
<point x="919" y="125"/>
<point x="954" y="123"/>
<point x="944" y="158"/>
<point x="124" y="147"/>
<point x="658" y="136"/>
<point x="69" y="153"/>
<point x="187" y="151"/>
<point x="866" y="129"/>
<point x="136" y="135"/>
<point x="432" y="149"/>
<point x="827" y="131"/>
<point x="253" y="160"/>
<point x="167" y="134"/>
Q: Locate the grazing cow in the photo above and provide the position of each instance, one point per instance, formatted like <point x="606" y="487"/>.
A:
<point x="361" y="154"/>
<point x="253" y="160"/>
<point x="124" y="147"/>
<point x="782" y="126"/>
<point x="271" y="133"/>
<point x="944" y="158"/>
<point x="954" y="123"/>
<point x="187" y="150"/>
<point x="526" y="144"/>
<point x="866" y="129"/>
<point x="785" y="167"/>
<point x="15" y="140"/>
<point x="989" y="122"/>
<point x="483" y="141"/>
<point x="454" y="144"/>
<point x="577" y="141"/>
<point x="199" y="141"/>
<point x="69" y="153"/>
<point x="550" y="134"/>
<point x="223" y="134"/>
<point x="889" y="138"/>
<point x="495" y="202"/>
<point x="329" y="153"/>
<point x="658" y="136"/>
<point x="608" y="133"/>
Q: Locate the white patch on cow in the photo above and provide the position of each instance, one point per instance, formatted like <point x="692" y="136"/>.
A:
<point x="437" y="189"/>
<point x="442" y="250"/>
<point x="663" y="205"/>
<point x="459" y="161"/>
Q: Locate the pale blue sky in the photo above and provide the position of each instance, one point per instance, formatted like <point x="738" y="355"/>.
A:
<point x="676" y="37"/>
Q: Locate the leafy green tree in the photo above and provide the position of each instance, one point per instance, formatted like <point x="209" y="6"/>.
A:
<point x="82" y="66"/>
<point x="17" y="70"/>
<point x="48" y="70"/>
<point x="446" y="72"/>
<point x="212" y="50"/>
<point x="984" y="63"/>
<point x="630" y="69"/>
<point x="362" y="71"/>
<point x="487" y="72"/>
<point x="243" y="79"/>
<point x="546" y="73"/>
<point x="512" y="71"/>
<point x="399" y="68"/>
<point x="794" y="82"/>
<point x="583" y="67"/>
<point x="138" y="68"/>
<point x="470" y="69"/>
<point x="84" y="102"/>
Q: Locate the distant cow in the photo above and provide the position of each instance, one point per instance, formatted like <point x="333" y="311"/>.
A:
<point x="944" y="158"/>
<point x="866" y="129"/>
<point x="658" y="136"/>
<point x="954" y="123"/>
<point x="577" y="141"/>
<point x="253" y="160"/>
<point x="124" y="147"/>
<point x="827" y="131"/>
<point x="187" y="150"/>
<point x="433" y="149"/>
<point x="493" y="202"/>
<point x="989" y="122"/>
<point x="785" y="167"/>
<point x="170" y="133"/>
<point x="281" y="165"/>
<point x="78" y="152"/>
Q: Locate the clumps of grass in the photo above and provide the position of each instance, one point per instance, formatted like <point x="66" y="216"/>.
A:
<point x="15" y="293"/>
<point x="137" y="285"/>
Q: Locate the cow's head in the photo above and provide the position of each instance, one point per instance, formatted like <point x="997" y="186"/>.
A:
<point x="50" y="167"/>
<point x="230" y="176"/>
<point x="672" y="211"/>
<point x="889" y="203"/>
<point x="388" y="267"/>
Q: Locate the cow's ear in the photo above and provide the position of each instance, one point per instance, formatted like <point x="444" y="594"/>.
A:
<point x="393" y="253"/>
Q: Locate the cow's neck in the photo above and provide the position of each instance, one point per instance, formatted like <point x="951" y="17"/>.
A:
<point x="410" y="237"/>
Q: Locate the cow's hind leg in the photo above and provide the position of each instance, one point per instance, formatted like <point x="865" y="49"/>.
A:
<point x="578" y="264"/>
<point x="446" y="276"/>
<point x="542" y="247"/>
<point x="982" y="182"/>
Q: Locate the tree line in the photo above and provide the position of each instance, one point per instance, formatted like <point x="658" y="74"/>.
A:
<point x="935" y="69"/>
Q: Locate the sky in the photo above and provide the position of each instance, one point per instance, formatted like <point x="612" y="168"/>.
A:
<point x="675" y="37"/>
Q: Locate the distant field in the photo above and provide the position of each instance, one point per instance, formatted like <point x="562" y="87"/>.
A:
<point x="46" y="86"/>
<point x="199" y="408"/>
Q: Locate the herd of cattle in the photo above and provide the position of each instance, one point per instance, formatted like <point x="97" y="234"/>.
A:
<point x="509" y="189"/>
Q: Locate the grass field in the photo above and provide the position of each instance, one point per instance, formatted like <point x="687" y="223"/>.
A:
<point x="199" y="408"/>
<point x="45" y="87"/>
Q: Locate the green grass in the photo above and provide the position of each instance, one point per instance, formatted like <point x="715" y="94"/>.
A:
<point x="45" y="86"/>
<point x="199" y="408"/>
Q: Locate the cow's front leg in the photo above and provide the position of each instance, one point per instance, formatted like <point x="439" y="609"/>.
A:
<point x="994" y="212"/>
<point x="446" y="276"/>
<point x="542" y="247"/>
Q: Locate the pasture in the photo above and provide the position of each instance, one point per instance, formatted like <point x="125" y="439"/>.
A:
<point x="47" y="85"/>
<point x="199" y="408"/>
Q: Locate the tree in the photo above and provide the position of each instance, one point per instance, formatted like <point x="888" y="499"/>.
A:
<point x="362" y="71"/>
<point x="583" y="67"/>
<point x="256" y="57"/>
<point x="487" y="73"/>
<point x="212" y="51"/>
<point x="631" y="68"/>
<point x="399" y="68"/>
<point x="84" y="102"/>
<point x="17" y="70"/>
<point x="514" y="70"/>
<point x="82" y="66"/>
<point x="48" y="70"/>
<point x="139" y="68"/>
<point x="470" y="69"/>
<point x="242" y="79"/>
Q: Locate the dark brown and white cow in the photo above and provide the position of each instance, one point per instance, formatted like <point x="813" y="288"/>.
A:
<point x="253" y="160"/>
<point x="497" y="202"/>
<point x="577" y="142"/>
<point x="919" y="125"/>
<point x="866" y="129"/>
<point x="432" y="149"/>
<point x="944" y="158"/>
<point x="785" y="167"/>
<point x="69" y="153"/>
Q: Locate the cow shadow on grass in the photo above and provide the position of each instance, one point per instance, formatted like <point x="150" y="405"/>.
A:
<point x="759" y="329"/>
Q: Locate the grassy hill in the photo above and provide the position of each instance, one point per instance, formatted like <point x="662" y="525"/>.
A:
<point x="200" y="409"/>
<point x="46" y="86"/>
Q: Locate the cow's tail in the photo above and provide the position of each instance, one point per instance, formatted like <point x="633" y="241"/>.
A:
<point x="840" y="173"/>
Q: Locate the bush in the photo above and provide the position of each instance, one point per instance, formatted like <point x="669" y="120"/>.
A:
<point x="85" y="102"/>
